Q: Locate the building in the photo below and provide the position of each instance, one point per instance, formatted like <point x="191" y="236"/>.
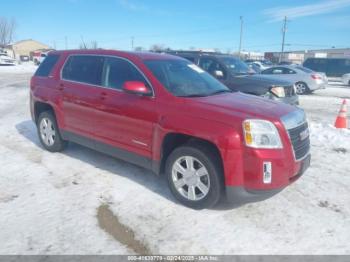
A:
<point x="25" y="48"/>
<point x="299" y="57"/>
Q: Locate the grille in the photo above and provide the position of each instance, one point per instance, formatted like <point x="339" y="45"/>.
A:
<point x="301" y="146"/>
<point x="289" y="90"/>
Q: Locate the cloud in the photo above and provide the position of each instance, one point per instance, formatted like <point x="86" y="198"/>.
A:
<point x="132" y="5"/>
<point x="278" y="13"/>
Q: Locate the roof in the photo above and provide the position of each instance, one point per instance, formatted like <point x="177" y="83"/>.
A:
<point x="26" y="40"/>
<point x="140" y="55"/>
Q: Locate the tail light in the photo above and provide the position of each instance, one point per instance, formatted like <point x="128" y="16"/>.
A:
<point x="316" y="77"/>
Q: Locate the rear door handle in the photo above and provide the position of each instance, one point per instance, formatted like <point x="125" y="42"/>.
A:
<point x="103" y="96"/>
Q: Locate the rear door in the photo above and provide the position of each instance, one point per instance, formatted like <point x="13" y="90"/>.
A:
<point x="124" y="120"/>
<point x="81" y="76"/>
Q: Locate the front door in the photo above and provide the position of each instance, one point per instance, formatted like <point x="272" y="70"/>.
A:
<point x="125" y="121"/>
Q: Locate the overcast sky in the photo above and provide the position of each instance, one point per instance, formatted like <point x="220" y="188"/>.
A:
<point x="183" y="23"/>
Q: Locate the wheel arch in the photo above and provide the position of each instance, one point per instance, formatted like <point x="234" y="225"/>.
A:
<point x="172" y="141"/>
<point x="40" y="107"/>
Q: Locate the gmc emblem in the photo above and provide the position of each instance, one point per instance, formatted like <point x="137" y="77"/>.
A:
<point x="304" y="134"/>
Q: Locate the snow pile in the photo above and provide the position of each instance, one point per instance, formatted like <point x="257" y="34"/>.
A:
<point x="26" y="67"/>
<point x="326" y="135"/>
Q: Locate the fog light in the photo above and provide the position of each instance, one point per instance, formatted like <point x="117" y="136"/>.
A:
<point x="267" y="172"/>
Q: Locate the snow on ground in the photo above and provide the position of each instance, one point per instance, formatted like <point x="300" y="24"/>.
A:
<point x="25" y="67"/>
<point x="49" y="202"/>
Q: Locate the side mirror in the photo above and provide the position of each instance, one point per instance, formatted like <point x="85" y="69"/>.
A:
<point x="137" y="88"/>
<point x="218" y="74"/>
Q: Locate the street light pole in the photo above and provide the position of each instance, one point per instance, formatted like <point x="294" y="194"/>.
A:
<point x="241" y="36"/>
<point x="284" y="29"/>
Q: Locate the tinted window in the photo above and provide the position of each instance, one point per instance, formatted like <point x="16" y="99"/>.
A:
<point x="84" y="68"/>
<point x="117" y="71"/>
<point x="267" y="71"/>
<point x="183" y="78"/>
<point x="210" y="65"/>
<point x="288" y="71"/>
<point x="236" y="65"/>
<point x="46" y="66"/>
<point x="189" y="58"/>
<point x="304" y="69"/>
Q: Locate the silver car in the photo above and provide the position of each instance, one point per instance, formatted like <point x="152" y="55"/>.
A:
<point x="305" y="80"/>
<point x="346" y="79"/>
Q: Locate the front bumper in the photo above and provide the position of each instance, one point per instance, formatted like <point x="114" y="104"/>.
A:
<point x="239" y="195"/>
<point x="291" y="100"/>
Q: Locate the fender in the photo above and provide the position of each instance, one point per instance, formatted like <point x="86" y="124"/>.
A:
<point x="227" y="140"/>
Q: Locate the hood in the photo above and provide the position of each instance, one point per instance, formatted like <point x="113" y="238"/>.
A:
<point x="225" y="106"/>
<point x="255" y="84"/>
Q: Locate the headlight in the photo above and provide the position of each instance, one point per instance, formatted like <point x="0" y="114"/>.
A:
<point x="261" y="134"/>
<point x="278" y="91"/>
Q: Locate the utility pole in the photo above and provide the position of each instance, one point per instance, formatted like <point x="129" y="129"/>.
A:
<point x="241" y="36"/>
<point x="132" y="43"/>
<point x="284" y="29"/>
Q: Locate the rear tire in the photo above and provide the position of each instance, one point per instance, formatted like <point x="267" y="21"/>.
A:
<point x="195" y="176"/>
<point x="302" y="88"/>
<point x="49" y="134"/>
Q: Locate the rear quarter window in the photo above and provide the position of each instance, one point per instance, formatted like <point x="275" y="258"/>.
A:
<point x="47" y="65"/>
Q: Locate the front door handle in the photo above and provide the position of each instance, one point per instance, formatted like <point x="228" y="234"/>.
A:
<point x="61" y="87"/>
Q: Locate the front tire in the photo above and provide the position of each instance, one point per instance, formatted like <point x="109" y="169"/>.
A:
<point x="194" y="176"/>
<point x="49" y="134"/>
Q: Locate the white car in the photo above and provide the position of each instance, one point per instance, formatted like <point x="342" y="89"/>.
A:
<point x="6" y="60"/>
<point x="261" y="65"/>
<point x="346" y="79"/>
<point x="39" y="59"/>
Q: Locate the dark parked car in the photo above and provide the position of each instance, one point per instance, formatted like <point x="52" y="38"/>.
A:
<point x="237" y="76"/>
<point x="166" y="114"/>
<point x="332" y="67"/>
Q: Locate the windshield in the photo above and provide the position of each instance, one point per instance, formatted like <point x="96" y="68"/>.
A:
<point x="182" y="78"/>
<point x="236" y="66"/>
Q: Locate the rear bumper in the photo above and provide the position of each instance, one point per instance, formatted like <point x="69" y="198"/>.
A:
<point x="239" y="195"/>
<point x="315" y="86"/>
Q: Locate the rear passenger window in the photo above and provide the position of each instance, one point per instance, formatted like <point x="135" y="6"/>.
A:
<point x="117" y="71"/>
<point x="46" y="66"/>
<point x="84" y="68"/>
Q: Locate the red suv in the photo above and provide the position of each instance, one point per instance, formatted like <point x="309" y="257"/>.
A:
<point x="164" y="113"/>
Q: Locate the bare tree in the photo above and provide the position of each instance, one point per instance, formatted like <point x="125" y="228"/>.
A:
<point x="92" y="45"/>
<point x="7" y="31"/>
<point x="159" y="48"/>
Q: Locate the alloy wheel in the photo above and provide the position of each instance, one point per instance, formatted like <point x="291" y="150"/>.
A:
<point x="47" y="131"/>
<point x="190" y="178"/>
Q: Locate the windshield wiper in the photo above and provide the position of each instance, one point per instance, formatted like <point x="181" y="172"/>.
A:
<point x="220" y="91"/>
<point x="194" y="95"/>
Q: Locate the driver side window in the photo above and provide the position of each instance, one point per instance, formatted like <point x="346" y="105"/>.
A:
<point x="117" y="71"/>
<point x="212" y="67"/>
